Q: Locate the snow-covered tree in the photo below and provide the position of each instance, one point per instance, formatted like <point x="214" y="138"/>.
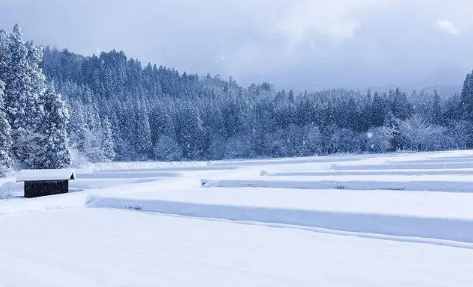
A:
<point x="3" y="51"/>
<point x="275" y="144"/>
<point x="345" y="140"/>
<point x="189" y="132"/>
<point x="210" y="118"/>
<point x="92" y="148"/>
<point x="77" y="127"/>
<point x="5" y="130"/>
<point x="54" y="152"/>
<point x="29" y="149"/>
<point x="461" y="131"/>
<point x="18" y="93"/>
<point x="378" y="110"/>
<point x="24" y="89"/>
<point x="216" y="146"/>
<point x="239" y="147"/>
<point x="466" y="100"/>
<point x="37" y="86"/>
<point x="419" y="135"/>
<point x="167" y="148"/>
<point x="392" y="124"/>
<point x="400" y="106"/>
<point x="107" y="140"/>
<point x="142" y="133"/>
<point x="312" y="142"/>
<point x="379" y="139"/>
<point x="436" y="111"/>
<point x="5" y="137"/>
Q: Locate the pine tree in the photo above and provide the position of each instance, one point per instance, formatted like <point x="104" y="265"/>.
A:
<point x="166" y="148"/>
<point x="378" y="111"/>
<point x="125" y="143"/>
<point x="312" y="142"/>
<point x="107" y="140"/>
<point x="54" y="149"/>
<point x="142" y="132"/>
<point x="392" y="123"/>
<point x="436" y="112"/>
<point x="3" y="52"/>
<point x="188" y="132"/>
<point x="77" y="127"/>
<point x="25" y="84"/>
<point x="17" y="92"/>
<point x="37" y="88"/>
<point x="34" y="107"/>
<point x="5" y="130"/>
<point x="466" y="99"/>
<point x="5" y="137"/>
<point x="401" y="107"/>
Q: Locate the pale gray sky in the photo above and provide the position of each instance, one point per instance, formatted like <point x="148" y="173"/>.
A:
<point x="304" y="44"/>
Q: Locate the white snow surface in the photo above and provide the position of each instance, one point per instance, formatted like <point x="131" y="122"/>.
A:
<point x="118" y="248"/>
<point x="347" y="220"/>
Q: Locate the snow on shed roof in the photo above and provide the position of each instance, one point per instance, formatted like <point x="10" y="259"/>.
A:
<point x="45" y="174"/>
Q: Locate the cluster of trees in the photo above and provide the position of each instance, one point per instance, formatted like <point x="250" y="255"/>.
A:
<point x="120" y="110"/>
<point x="123" y="111"/>
<point x="33" y="118"/>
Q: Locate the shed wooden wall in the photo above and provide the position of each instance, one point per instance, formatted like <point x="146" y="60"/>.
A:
<point x="43" y="188"/>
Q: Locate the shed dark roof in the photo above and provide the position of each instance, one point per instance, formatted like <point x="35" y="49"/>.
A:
<point x="45" y="174"/>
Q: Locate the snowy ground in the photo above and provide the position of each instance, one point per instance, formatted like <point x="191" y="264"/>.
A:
<point x="364" y="220"/>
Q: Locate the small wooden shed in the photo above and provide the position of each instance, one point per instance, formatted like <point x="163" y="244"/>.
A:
<point x="42" y="182"/>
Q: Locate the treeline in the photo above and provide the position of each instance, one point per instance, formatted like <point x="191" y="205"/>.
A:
<point x="120" y="110"/>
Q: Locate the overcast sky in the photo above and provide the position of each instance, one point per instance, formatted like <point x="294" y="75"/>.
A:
<point x="304" y="44"/>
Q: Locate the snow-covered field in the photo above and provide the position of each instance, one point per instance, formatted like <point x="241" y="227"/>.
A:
<point x="348" y="220"/>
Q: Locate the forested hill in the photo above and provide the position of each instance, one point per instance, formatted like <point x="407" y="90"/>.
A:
<point x="122" y="110"/>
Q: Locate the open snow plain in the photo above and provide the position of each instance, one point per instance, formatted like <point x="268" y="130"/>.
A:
<point x="349" y="220"/>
